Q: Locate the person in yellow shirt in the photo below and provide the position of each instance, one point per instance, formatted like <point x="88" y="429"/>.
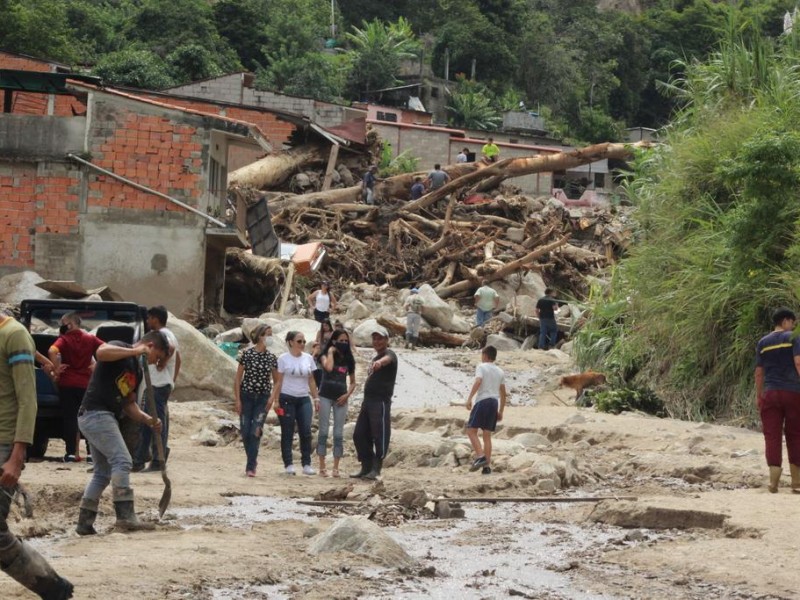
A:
<point x="490" y="151"/>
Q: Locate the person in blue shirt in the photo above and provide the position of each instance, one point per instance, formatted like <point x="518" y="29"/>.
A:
<point x="418" y="189"/>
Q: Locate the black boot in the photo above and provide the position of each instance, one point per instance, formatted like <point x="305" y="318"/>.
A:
<point x="375" y="472"/>
<point x="126" y="515"/>
<point x="21" y="562"/>
<point x="362" y="473"/>
<point x="414" y="342"/>
<point x="86" y="517"/>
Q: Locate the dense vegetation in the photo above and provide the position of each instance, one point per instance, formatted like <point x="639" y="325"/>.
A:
<point x="590" y="72"/>
<point x="719" y="231"/>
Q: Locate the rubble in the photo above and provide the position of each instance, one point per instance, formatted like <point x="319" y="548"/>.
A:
<point x="360" y="536"/>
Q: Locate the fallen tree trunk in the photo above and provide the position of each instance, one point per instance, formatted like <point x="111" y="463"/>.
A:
<point x="515" y="167"/>
<point x="274" y="169"/>
<point x="427" y="338"/>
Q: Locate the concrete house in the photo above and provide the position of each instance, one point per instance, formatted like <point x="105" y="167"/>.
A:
<point x="111" y="187"/>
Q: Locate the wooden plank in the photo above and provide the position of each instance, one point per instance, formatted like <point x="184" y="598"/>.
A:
<point x="537" y="499"/>
<point x="326" y="183"/>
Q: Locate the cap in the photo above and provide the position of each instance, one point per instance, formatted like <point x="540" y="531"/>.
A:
<point x="414" y="290"/>
<point x="380" y="330"/>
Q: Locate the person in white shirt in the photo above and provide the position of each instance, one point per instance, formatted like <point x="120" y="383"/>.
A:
<point x="162" y="376"/>
<point x="489" y="390"/>
<point x="322" y="302"/>
<point x="294" y="388"/>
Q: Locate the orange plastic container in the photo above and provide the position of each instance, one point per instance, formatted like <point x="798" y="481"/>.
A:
<point x="307" y="258"/>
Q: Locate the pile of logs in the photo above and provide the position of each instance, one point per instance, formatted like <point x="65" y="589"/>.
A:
<point x="448" y="243"/>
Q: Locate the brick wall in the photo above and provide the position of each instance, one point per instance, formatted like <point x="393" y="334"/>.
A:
<point x="34" y="199"/>
<point x="25" y="103"/>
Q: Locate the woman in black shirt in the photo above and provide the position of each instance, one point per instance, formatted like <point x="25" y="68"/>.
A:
<point x="338" y="365"/>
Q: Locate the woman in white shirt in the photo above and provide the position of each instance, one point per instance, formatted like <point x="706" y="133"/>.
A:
<point x="294" y="387"/>
<point x="322" y="302"/>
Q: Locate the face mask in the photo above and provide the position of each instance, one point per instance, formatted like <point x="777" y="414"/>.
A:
<point x="342" y="347"/>
<point x="63" y="329"/>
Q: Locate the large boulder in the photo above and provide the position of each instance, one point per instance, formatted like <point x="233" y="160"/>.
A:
<point x="206" y="371"/>
<point x="362" y="335"/>
<point x="527" y="284"/>
<point x="502" y="342"/>
<point x="436" y="311"/>
<point x="522" y="306"/>
<point x="357" y="311"/>
<point x="308" y="327"/>
<point x="359" y="535"/>
<point x="17" y="287"/>
<point x="460" y="325"/>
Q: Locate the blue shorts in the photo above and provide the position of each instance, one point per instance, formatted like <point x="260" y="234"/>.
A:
<point x="484" y="415"/>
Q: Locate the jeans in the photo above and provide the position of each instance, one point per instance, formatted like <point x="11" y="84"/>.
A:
<point x="112" y="461"/>
<point x="481" y="316"/>
<point x="251" y="424"/>
<point x="339" y="417"/>
<point x="413" y="322"/>
<point x="71" y="398"/>
<point x="548" y="333"/>
<point x="295" y="409"/>
<point x="146" y="441"/>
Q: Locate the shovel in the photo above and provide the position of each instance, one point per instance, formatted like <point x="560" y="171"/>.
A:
<point x="151" y="407"/>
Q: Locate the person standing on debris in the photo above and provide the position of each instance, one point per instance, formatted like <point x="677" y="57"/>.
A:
<point x="418" y="189"/>
<point x="374" y="425"/>
<point x="112" y="392"/>
<point x="252" y="391"/>
<point x="486" y="302"/>
<point x="463" y="156"/>
<point x="490" y="152"/>
<point x="413" y="307"/>
<point x="489" y="387"/>
<point x="548" y="328"/>
<point x="322" y="302"/>
<point x="777" y="378"/>
<point x="294" y="389"/>
<point x="338" y="365"/>
<point x="72" y="355"/>
<point x="17" y="421"/>
<point x="162" y="375"/>
<point x="436" y="178"/>
<point x="368" y="185"/>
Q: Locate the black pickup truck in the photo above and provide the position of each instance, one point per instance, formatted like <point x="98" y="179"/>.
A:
<point x="123" y="321"/>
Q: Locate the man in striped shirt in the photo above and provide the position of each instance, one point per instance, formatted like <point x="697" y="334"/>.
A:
<point x="17" y="421"/>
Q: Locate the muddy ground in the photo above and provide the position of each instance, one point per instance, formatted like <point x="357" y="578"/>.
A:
<point x="226" y="536"/>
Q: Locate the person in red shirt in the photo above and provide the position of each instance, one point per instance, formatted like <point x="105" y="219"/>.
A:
<point x="72" y="355"/>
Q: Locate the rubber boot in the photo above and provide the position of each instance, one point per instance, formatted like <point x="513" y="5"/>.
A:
<point x="774" y="479"/>
<point x="414" y="342"/>
<point x="375" y="472"/>
<point x="363" y="472"/>
<point x="409" y="341"/>
<point x="86" y="517"/>
<point x="126" y="515"/>
<point x="21" y="562"/>
<point x="795" y="471"/>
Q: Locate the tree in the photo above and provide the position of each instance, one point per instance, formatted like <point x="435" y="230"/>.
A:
<point x="471" y="106"/>
<point x="376" y="52"/>
<point x="243" y="24"/>
<point x="36" y="27"/>
<point x="191" y="62"/>
<point x="313" y="75"/>
<point x="135" y="68"/>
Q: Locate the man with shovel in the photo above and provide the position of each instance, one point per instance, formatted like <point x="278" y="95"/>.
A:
<point x="17" y="420"/>
<point x="112" y="391"/>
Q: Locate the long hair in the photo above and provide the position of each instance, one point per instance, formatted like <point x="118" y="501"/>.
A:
<point x="347" y="357"/>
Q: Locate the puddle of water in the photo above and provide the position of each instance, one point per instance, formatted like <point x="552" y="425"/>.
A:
<point x="491" y="551"/>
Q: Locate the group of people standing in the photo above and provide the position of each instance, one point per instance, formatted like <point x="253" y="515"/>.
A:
<point x="298" y="384"/>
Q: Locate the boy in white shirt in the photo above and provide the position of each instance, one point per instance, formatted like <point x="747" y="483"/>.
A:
<point x="489" y="386"/>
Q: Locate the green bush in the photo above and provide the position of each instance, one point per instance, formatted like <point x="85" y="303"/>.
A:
<point x="617" y="400"/>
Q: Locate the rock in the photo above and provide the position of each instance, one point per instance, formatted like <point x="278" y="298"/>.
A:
<point x="531" y="440"/>
<point x="249" y="325"/>
<point x="448" y="510"/>
<point x="17" y="287"/>
<point x="545" y="486"/>
<point x="567" y="347"/>
<point x="527" y="284"/>
<point x="576" y="419"/>
<point x="308" y="327"/>
<point x="362" y="335"/>
<point x="207" y="437"/>
<point x="417" y="498"/>
<point x="357" y="311"/>
<point x="232" y="335"/>
<point x="460" y="325"/>
<point x="531" y="342"/>
<point x="204" y="367"/>
<point x="502" y="342"/>
<point x="515" y="234"/>
<point x="436" y="311"/>
<point x="522" y="306"/>
<point x="633" y="515"/>
<point x="521" y="461"/>
<point x="361" y="536"/>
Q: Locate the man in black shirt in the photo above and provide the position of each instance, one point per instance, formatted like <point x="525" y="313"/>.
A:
<point x="112" y="392"/>
<point x="373" y="427"/>
<point x="548" y="328"/>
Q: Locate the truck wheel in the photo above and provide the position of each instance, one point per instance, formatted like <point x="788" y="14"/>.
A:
<point x="39" y="446"/>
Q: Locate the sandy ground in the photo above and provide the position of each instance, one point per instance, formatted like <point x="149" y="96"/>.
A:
<point x="228" y="536"/>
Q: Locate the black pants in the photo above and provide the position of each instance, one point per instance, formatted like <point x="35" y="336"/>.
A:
<point x="71" y="398"/>
<point x="373" y="430"/>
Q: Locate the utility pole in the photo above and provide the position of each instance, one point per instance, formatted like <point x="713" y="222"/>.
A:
<point x="447" y="64"/>
<point x="472" y="73"/>
<point x="333" y="20"/>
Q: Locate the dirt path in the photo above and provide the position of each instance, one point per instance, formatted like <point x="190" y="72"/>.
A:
<point x="227" y="536"/>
